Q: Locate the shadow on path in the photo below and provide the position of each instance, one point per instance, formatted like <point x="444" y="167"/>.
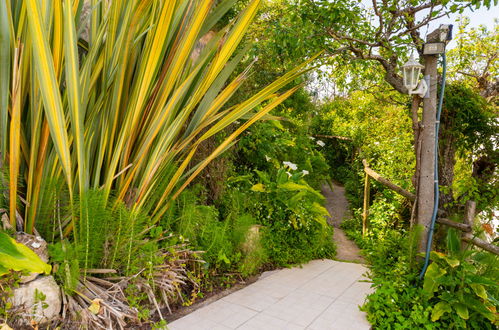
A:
<point x="337" y="205"/>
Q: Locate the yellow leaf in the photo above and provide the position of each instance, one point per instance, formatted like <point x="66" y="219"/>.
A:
<point x="19" y="257"/>
<point x="258" y="187"/>
<point x="95" y="306"/>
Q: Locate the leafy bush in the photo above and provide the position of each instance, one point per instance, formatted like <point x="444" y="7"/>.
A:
<point x="398" y="302"/>
<point x="223" y="234"/>
<point x="398" y="305"/>
<point x="268" y="144"/>
<point x="458" y="291"/>
<point x="462" y="283"/>
<point x="293" y="218"/>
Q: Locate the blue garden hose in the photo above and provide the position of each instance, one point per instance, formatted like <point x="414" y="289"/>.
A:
<point x="436" y="188"/>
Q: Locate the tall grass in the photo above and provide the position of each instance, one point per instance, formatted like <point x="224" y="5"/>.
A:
<point x="117" y="110"/>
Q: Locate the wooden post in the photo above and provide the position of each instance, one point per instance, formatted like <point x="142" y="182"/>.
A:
<point x="366" y="205"/>
<point x="426" y="193"/>
<point x="469" y="218"/>
<point x="387" y="182"/>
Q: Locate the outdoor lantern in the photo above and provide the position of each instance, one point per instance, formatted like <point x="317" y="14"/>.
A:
<point x="411" y="71"/>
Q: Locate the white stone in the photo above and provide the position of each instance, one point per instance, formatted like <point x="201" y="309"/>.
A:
<point x="33" y="308"/>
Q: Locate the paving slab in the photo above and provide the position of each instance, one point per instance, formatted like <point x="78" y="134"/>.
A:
<point x="320" y="295"/>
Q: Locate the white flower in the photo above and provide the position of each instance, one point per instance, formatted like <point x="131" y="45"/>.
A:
<point x="376" y="143"/>
<point x="304" y="172"/>
<point x="290" y="165"/>
<point x="237" y="122"/>
<point x="267" y="158"/>
<point x="311" y="138"/>
<point x="319" y="142"/>
<point x="289" y="174"/>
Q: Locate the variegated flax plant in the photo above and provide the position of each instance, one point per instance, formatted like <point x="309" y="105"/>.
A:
<point x="119" y="101"/>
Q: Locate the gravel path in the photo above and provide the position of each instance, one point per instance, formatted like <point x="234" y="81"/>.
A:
<point x="337" y="205"/>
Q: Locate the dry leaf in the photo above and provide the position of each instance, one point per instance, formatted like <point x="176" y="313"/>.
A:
<point x="95" y="306"/>
<point x="488" y="228"/>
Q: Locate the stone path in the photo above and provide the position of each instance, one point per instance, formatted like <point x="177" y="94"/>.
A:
<point x="337" y="205"/>
<point x="323" y="294"/>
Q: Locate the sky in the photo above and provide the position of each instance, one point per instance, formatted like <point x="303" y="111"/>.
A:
<point x="482" y="16"/>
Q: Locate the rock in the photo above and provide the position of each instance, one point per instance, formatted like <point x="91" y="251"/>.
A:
<point x="37" y="245"/>
<point x="39" y="300"/>
<point x="5" y="326"/>
<point x="252" y="239"/>
<point x="5" y="220"/>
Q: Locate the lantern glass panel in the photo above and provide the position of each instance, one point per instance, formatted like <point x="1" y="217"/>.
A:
<point x="407" y="78"/>
<point x="415" y="76"/>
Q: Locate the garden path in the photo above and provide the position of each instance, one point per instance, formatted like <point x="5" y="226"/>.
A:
<point x="320" y="295"/>
<point x="323" y="294"/>
<point x="337" y="205"/>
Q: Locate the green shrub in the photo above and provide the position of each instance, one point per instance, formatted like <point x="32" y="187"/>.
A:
<point x="459" y="288"/>
<point x="268" y="144"/>
<point x="287" y="246"/>
<point x="462" y="286"/>
<point x="398" y="302"/>
<point x="293" y="218"/>
<point x="220" y="231"/>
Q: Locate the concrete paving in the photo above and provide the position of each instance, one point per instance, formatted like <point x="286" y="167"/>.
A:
<point x="323" y="294"/>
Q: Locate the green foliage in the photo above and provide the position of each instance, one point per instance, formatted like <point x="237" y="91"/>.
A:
<point x="398" y="305"/>
<point x="398" y="302"/>
<point x="8" y="282"/>
<point x="467" y="151"/>
<point x="469" y="117"/>
<point x="18" y="257"/>
<point x="287" y="246"/>
<point x="294" y="224"/>
<point x="462" y="283"/>
<point x="268" y="144"/>
<point x="223" y="238"/>
<point x="379" y="129"/>
<point x="474" y="60"/>
<point x="64" y="256"/>
<point x="294" y="198"/>
<point x="200" y="225"/>
<point x="459" y="288"/>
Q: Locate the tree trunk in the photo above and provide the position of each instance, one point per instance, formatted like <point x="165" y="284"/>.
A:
<point x="416" y="127"/>
<point x="446" y="163"/>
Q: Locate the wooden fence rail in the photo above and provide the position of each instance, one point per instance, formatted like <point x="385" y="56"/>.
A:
<point x="466" y="227"/>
